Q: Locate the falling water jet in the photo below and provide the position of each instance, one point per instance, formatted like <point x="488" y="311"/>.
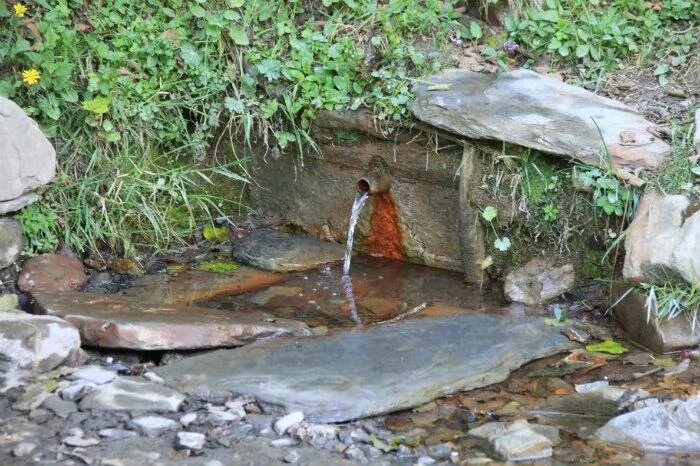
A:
<point x="360" y="200"/>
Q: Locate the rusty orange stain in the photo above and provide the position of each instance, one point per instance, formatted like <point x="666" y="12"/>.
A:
<point x="385" y="239"/>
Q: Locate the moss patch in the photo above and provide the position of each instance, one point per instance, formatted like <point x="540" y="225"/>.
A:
<point x="218" y="266"/>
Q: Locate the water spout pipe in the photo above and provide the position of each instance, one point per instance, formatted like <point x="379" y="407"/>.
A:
<point x="374" y="182"/>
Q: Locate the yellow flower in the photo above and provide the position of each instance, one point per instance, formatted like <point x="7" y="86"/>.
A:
<point x="30" y="76"/>
<point x="20" y="10"/>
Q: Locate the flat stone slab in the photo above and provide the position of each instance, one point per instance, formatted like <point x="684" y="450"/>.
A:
<point x="110" y="321"/>
<point x="191" y="286"/>
<point x="132" y="394"/>
<point x="360" y="373"/>
<point x="532" y="110"/>
<point x="284" y="252"/>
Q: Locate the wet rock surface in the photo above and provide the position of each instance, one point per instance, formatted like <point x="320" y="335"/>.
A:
<point x="667" y="427"/>
<point x="110" y="321"/>
<point x="539" y="281"/>
<point x="30" y="343"/>
<point x="550" y="116"/>
<point x="193" y="285"/>
<point x="52" y="272"/>
<point x="26" y="155"/>
<point x="661" y="240"/>
<point x="388" y="369"/>
<point x="11" y="241"/>
<point x="283" y="252"/>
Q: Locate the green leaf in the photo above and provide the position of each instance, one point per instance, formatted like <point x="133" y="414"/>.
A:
<point x="189" y="55"/>
<point x="197" y="11"/>
<point x="235" y="3"/>
<point x="608" y="346"/>
<point x="489" y="213"/>
<point x="99" y="104"/>
<point x="238" y="35"/>
<point x="475" y="30"/>
<point x="661" y="69"/>
<point x="582" y="50"/>
<point x="284" y="138"/>
<point x="502" y="244"/>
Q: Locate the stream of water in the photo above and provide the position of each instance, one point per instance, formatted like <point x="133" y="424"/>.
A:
<point x="360" y="200"/>
<point x="354" y="216"/>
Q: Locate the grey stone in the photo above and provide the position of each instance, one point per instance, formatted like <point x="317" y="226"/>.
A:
<point x="11" y="241"/>
<point x="425" y="460"/>
<point x="355" y="453"/>
<point x="35" y="343"/>
<point x="440" y="451"/>
<point x="663" y="240"/>
<point x="188" y="419"/>
<point x="61" y="408"/>
<point x="221" y="416"/>
<point x="284" y="442"/>
<point x="76" y="391"/>
<point x="26" y="156"/>
<point x="189" y="440"/>
<point x="538" y="282"/>
<point x="18" y="203"/>
<point x="516" y="441"/>
<point x="95" y="374"/>
<point x="673" y="426"/>
<point x="153" y="426"/>
<point x="75" y="441"/>
<point x="471" y="235"/>
<point x="284" y="252"/>
<point x="116" y="434"/>
<point x="132" y="394"/>
<point x="283" y="424"/>
<point x="394" y="366"/>
<point x="153" y="377"/>
<point x="536" y="111"/>
<point x="658" y="336"/>
<point x="40" y="415"/>
<point x="23" y="449"/>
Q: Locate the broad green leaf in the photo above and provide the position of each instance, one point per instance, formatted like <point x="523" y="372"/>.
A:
<point x="582" y="50"/>
<point x="608" y="346"/>
<point x="475" y="30"/>
<point x="198" y="11"/>
<point x="238" y="35"/>
<point x="661" y="69"/>
<point x="489" y="213"/>
<point x="284" y="138"/>
<point x="189" y="55"/>
<point x="99" y="104"/>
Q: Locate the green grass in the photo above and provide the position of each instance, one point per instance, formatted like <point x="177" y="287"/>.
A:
<point x="680" y="173"/>
<point x="670" y="300"/>
<point x="133" y="94"/>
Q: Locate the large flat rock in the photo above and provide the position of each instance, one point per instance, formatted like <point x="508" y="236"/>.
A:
<point x="191" y="286"/>
<point x="359" y="373"/>
<point x="284" y="252"/>
<point x="532" y="110"/>
<point x="110" y="321"/>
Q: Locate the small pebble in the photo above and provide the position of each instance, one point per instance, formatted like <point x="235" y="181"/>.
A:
<point x="425" y="460"/>
<point x="23" y="449"/>
<point x="116" y="434"/>
<point x="292" y="457"/>
<point x="284" y="443"/>
<point x="153" y="377"/>
<point x="283" y="424"/>
<point x="80" y="441"/>
<point x="188" y="419"/>
<point x="190" y="440"/>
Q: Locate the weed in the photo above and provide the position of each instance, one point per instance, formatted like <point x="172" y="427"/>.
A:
<point x="680" y="173"/>
<point x="670" y="300"/>
<point x="39" y="224"/>
<point x="595" y="35"/>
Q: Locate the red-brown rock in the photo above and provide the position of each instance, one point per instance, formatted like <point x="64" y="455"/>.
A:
<point x="52" y="272"/>
<point x="110" y="321"/>
<point x="188" y="287"/>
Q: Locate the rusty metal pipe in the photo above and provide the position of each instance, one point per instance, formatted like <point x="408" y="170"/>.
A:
<point x="374" y="182"/>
